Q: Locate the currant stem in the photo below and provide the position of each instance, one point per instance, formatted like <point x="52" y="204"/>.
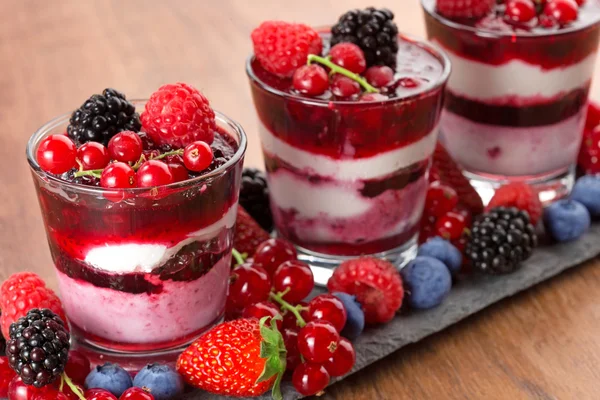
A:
<point x="97" y="173"/>
<point x="238" y="257"/>
<point x="178" y="152"/>
<point x="343" y="71"/>
<point x="72" y="386"/>
<point x="278" y="297"/>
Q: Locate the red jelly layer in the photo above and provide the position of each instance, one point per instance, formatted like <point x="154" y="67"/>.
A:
<point x="546" y="112"/>
<point x="548" y="49"/>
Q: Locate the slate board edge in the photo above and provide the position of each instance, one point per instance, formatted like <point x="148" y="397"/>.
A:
<point x="466" y="298"/>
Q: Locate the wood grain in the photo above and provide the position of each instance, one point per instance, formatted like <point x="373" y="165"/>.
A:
<point x="539" y="345"/>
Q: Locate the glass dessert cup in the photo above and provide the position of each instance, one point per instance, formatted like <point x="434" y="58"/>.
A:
<point x="141" y="271"/>
<point x="516" y="101"/>
<point x="348" y="178"/>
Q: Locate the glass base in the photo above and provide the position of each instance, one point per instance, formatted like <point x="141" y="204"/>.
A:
<point x="323" y="265"/>
<point x="132" y="361"/>
<point x="551" y="187"/>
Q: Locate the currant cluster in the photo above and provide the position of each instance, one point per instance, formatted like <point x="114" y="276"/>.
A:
<point x="443" y="215"/>
<point x="546" y="14"/>
<point x="124" y="163"/>
<point x="345" y="75"/>
<point x="274" y="284"/>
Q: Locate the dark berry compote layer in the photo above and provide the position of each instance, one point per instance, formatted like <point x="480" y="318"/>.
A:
<point x="521" y="74"/>
<point x="347" y="130"/>
<point x="140" y="223"/>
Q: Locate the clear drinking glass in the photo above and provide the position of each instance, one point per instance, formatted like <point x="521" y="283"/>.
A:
<point x="143" y="270"/>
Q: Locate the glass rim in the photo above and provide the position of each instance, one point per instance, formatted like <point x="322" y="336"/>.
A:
<point x="426" y="5"/>
<point x="431" y="48"/>
<point x="63" y="118"/>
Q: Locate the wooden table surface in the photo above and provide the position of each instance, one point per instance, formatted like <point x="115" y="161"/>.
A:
<point x="542" y="344"/>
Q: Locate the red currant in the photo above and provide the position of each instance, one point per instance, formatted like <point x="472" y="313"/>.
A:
<point x="6" y="375"/>
<point x="272" y="252"/>
<point x="562" y="11"/>
<point x="290" y="340"/>
<point x="520" y="10"/>
<point x="311" y="80"/>
<point x="179" y="172"/>
<point x="136" y="393"/>
<point x="328" y="308"/>
<point x="309" y="379"/>
<point x="125" y="146"/>
<point x="56" y="154"/>
<point x="17" y="390"/>
<point x="93" y="155"/>
<point x="379" y="75"/>
<point x="450" y="226"/>
<point x="349" y="56"/>
<point x="197" y="156"/>
<point x="289" y="319"/>
<point x="317" y="341"/>
<point x="342" y="361"/>
<point x="344" y="87"/>
<point x="408" y="83"/>
<point x="296" y="278"/>
<point x="99" y="394"/>
<point x="154" y="173"/>
<point x="50" y="394"/>
<point x="78" y="367"/>
<point x="249" y="284"/>
<point x="440" y="199"/>
<point x="262" y="309"/>
<point x="118" y="175"/>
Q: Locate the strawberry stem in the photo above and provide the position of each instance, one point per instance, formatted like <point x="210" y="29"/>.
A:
<point x="278" y="297"/>
<point x="65" y="378"/>
<point x="343" y="71"/>
<point x="238" y="257"/>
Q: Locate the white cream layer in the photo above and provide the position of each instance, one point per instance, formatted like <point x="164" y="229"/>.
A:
<point x="349" y="170"/>
<point x="480" y="81"/>
<point x="144" y="257"/>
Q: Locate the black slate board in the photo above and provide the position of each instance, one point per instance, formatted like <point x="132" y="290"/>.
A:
<point x="466" y="298"/>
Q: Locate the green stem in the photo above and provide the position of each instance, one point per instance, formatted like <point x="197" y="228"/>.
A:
<point x="278" y="297"/>
<point x="178" y="152"/>
<point x="73" y="387"/>
<point x="343" y="71"/>
<point x="90" y="172"/>
<point x="239" y="257"/>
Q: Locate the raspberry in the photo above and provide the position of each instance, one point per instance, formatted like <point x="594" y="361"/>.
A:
<point x="375" y="283"/>
<point x="282" y="47"/>
<point x="464" y="8"/>
<point x="20" y="293"/>
<point x="521" y="196"/>
<point x="593" y="115"/>
<point x="349" y="56"/>
<point x="178" y="114"/>
<point x="248" y="233"/>
<point x="589" y="153"/>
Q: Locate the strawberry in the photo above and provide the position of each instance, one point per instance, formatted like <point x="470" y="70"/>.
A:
<point x="248" y="233"/>
<point x="450" y="174"/>
<point x="240" y="358"/>
<point x="20" y="293"/>
<point x="375" y="283"/>
<point x="521" y="196"/>
<point x="464" y="8"/>
<point x="282" y="47"/>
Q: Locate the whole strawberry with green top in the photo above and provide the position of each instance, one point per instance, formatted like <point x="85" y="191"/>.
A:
<point x="241" y="358"/>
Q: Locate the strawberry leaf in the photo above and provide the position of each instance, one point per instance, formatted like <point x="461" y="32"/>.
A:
<point x="272" y="349"/>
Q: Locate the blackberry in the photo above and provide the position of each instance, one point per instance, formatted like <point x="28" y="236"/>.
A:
<point x="101" y="117"/>
<point x="38" y="348"/>
<point x="373" y="30"/>
<point x="254" y="197"/>
<point x="500" y="240"/>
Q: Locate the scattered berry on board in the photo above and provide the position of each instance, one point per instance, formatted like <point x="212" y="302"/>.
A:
<point x="521" y="196"/>
<point x="110" y="377"/>
<point x="566" y="220"/>
<point x="427" y="282"/>
<point x="587" y="192"/>
<point x="355" y="321"/>
<point x="162" y="381"/>
<point x="248" y="234"/>
<point x="444" y="251"/>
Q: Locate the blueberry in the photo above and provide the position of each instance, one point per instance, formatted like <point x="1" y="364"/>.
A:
<point x="566" y="220"/>
<point x="356" y="317"/>
<point x="427" y="282"/>
<point x="587" y="192"/>
<point x="163" y="381"/>
<point x="110" y="377"/>
<point x="444" y="251"/>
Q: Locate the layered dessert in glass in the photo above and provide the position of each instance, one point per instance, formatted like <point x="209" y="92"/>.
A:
<point x="142" y="248"/>
<point x="347" y="163"/>
<point x="516" y="100"/>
